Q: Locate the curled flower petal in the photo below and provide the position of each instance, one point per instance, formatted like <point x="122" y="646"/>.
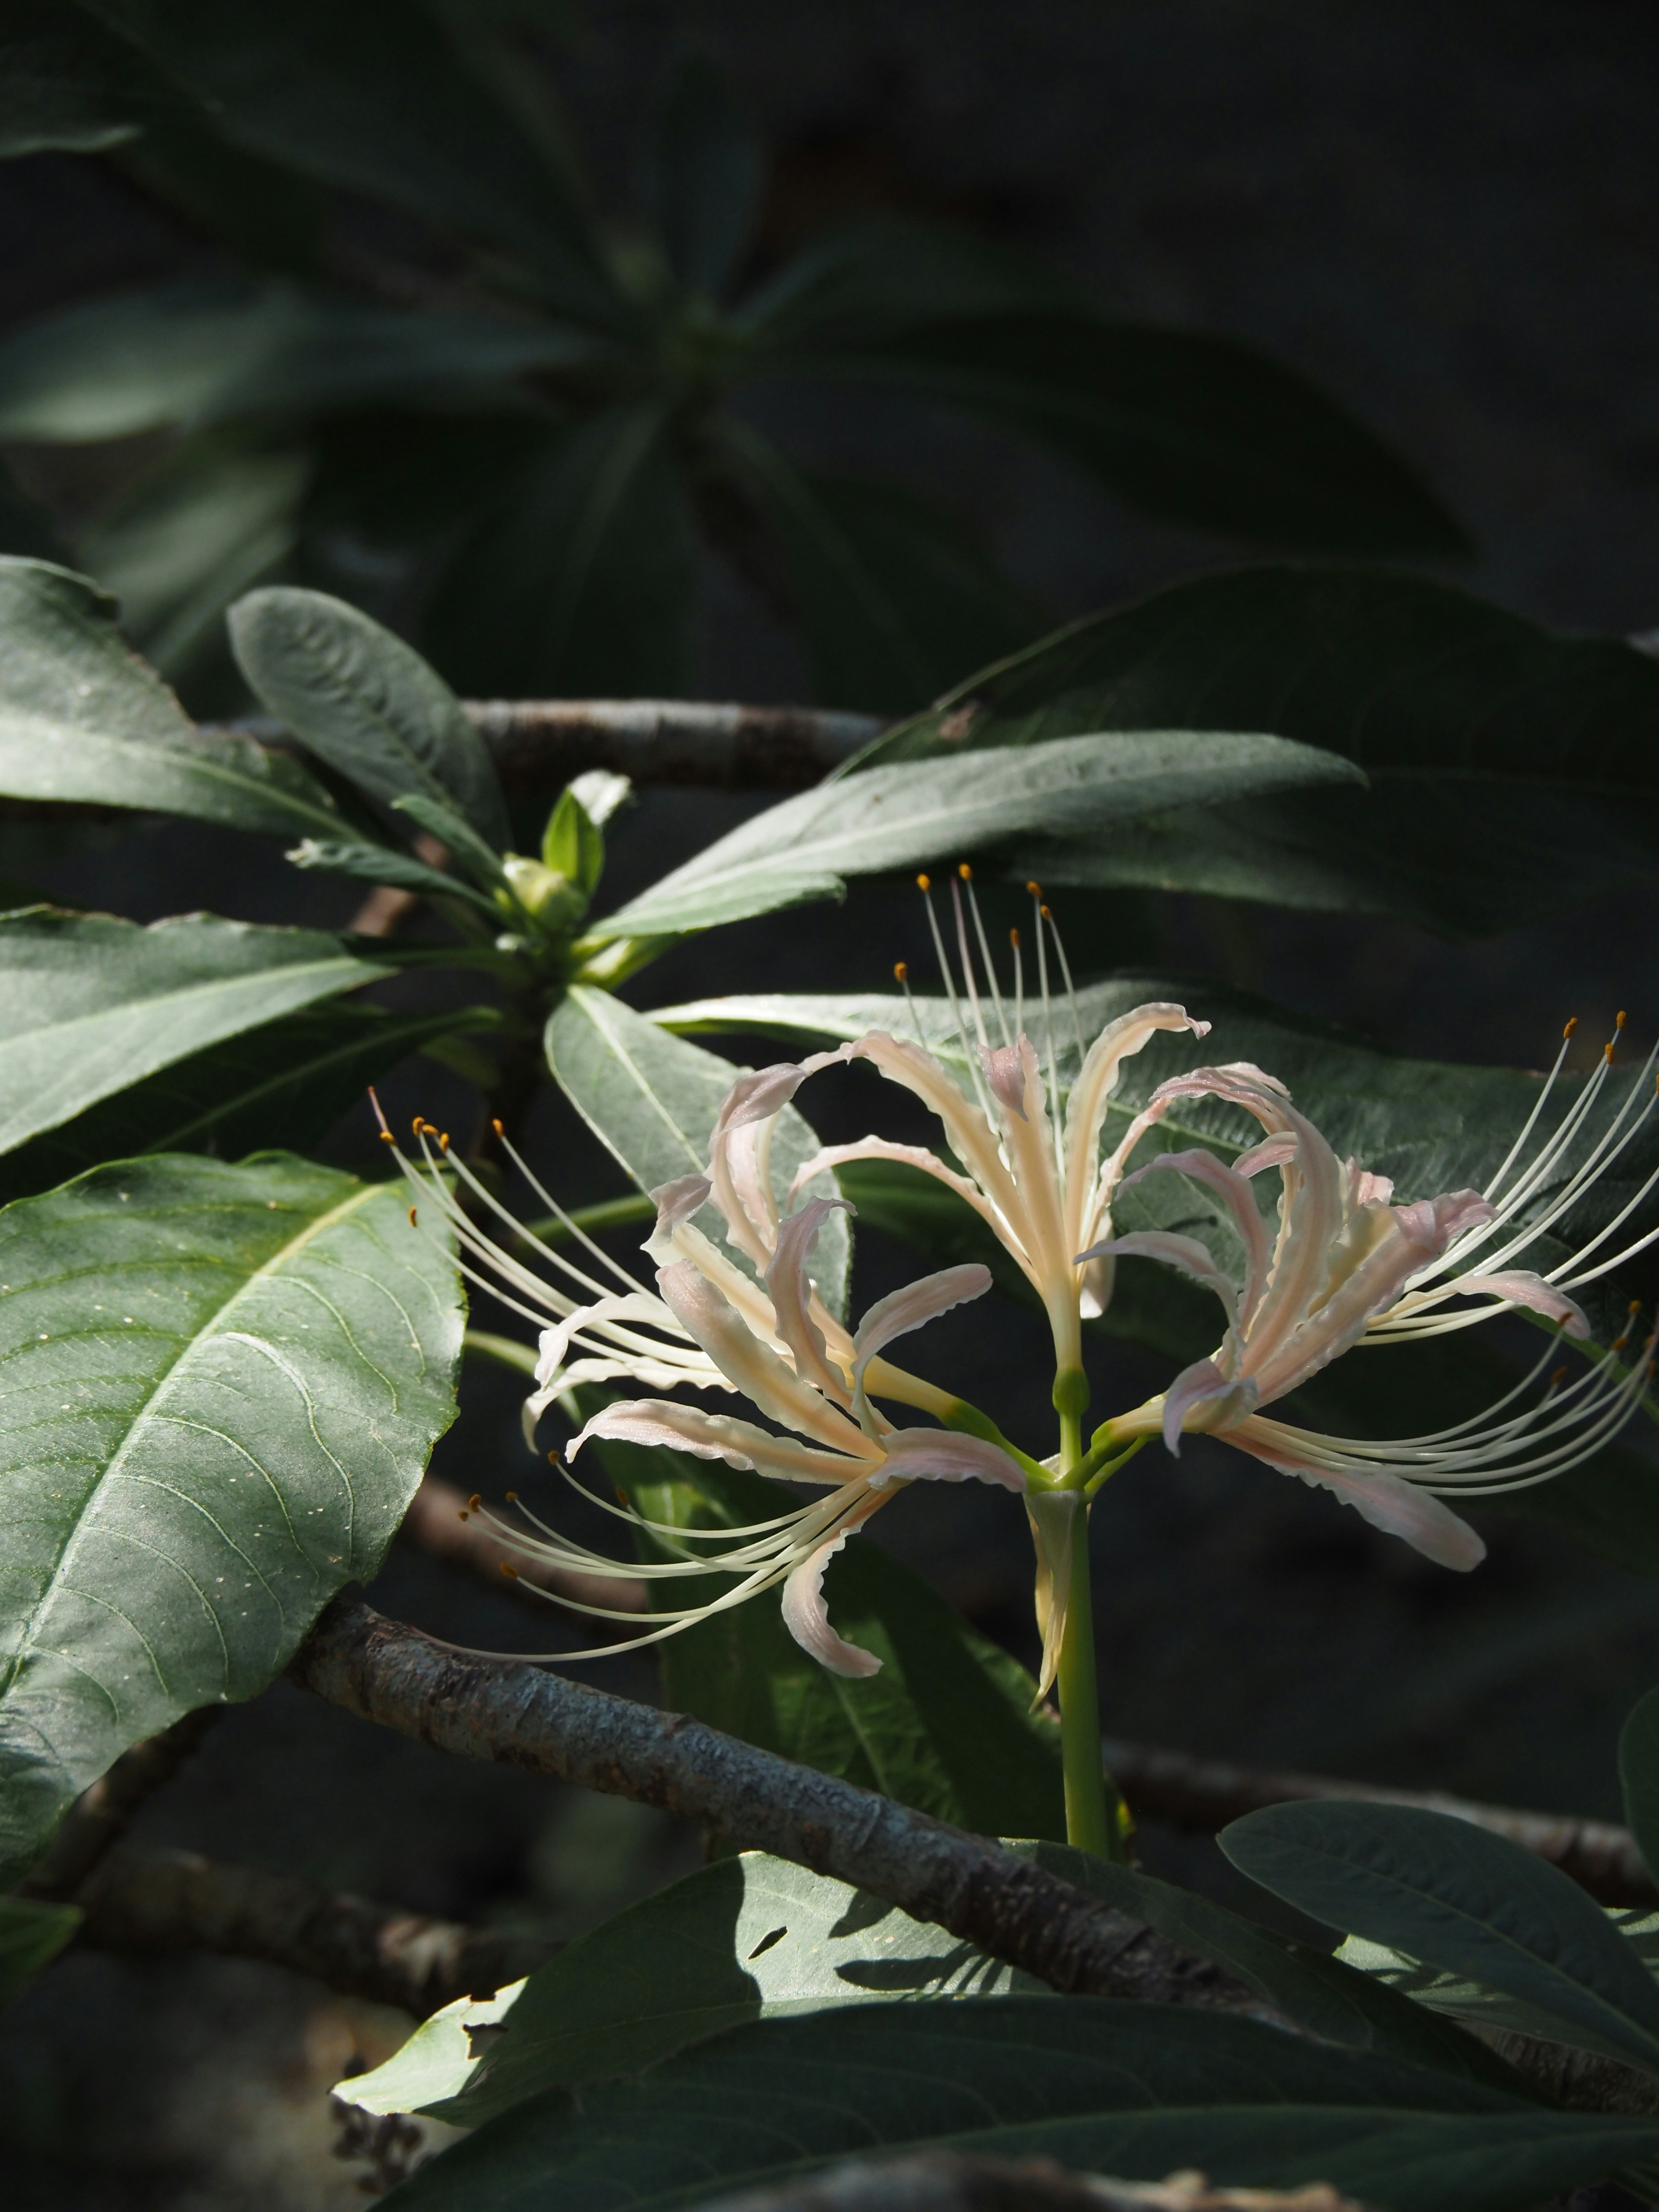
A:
<point x="917" y="1304"/>
<point x="1519" y="1287"/>
<point x="807" y="1617"/>
<point x="786" y="1280"/>
<point x="713" y="1436"/>
<point x="943" y="1456"/>
<point x="1006" y="1072"/>
<point x="676" y="1202"/>
<point x="712" y="1322"/>
<point x="1400" y="1508"/>
<point x="1186" y="1253"/>
<point x="1229" y="1399"/>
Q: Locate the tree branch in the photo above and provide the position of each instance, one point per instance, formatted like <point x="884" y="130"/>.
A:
<point x="99" y="1817"/>
<point x="947" y="2181"/>
<point x="148" y="1901"/>
<point x="538" y="745"/>
<point x="1205" y="1795"/>
<point x="524" y="1716"/>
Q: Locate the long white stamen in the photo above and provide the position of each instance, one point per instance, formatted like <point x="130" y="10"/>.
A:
<point x="964" y="1041"/>
<point x="993" y="988"/>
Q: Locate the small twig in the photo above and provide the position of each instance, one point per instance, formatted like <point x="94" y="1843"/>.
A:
<point x="439" y="1522"/>
<point x="518" y="1714"/>
<point x="99" y="1817"/>
<point x="947" y="2181"/>
<point x="1205" y="1795"/>
<point x="149" y="1901"/>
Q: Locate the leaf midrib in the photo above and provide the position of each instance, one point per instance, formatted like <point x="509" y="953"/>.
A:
<point x="204" y="764"/>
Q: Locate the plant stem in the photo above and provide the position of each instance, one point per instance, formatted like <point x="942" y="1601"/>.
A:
<point x="1089" y="1820"/>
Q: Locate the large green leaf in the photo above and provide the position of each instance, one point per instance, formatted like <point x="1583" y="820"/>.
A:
<point x="31" y="1935"/>
<point x="653" y="1099"/>
<point x="256" y="1361"/>
<point x="750" y="1938"/>
<point x="947" y="1726"/>
<point x="894" y="601"/>
<point x="1459" y="1897"/>
<point x="1205" y="432"/>
<point x="284" y="1084"/>
<point x="191" y="354"/>
<point x="375" y="97"/>
<point x="578" y="580"/>
<point x="90" y="1004"/>
<point x="366" y="703"/>
<point x="1459" y="713"/>
<point x="1105" y="2087"/>
<point x="66" y="82"/>
<point x="82" y="718"/>
<point x="1330" y="2000"/>
<point x="894" y="816"/>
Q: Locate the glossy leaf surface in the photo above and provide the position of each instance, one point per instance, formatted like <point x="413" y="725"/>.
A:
<point x="895" y="815"/>
<point x="1103" y="2087"/>
<point x="90" y="1004"/>
<point x="224" y="1385"/>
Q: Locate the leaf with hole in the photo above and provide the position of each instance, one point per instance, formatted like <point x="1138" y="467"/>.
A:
<point x="1098" y="2087"/>
<point x="224" y="1384"/>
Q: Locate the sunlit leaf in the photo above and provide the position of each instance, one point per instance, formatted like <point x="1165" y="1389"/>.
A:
<point x="223" y="1385"/>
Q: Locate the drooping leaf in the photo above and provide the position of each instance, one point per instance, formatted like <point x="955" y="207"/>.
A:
<point x="748" y="1938"/>
<point x="378" y="864"/>
<point x="1102" y="2087"/>
<point x="947" y="1725"/>
<point x="702" y="173"/>
<point x="82" y="718"/>
<point x="284" y="1084"/>
<point x="375" y="97"/>
<point x="894" y="600"/>
<point x="224" y="1382"/>
<point x="31" y="1935"/>
<point x="68" y="83"/>
<point x="579" y="579"/>
<point x="1459" y="712"/>
<point x="189" y="355"/>
<point x="895" y="816"/>
<point x="90" y="1004"/>
<point x="366" y="703"/>
<point x="652" y="1100"/>
<point x="1638" y="1773"/>
<point x="1330" y="2000"/>
<point x="1459" y="1898"/>
<point x="1202" y="431"/>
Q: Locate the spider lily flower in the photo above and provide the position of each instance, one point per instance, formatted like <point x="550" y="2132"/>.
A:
<point x="1030" y="1168"/>
<point x="712" y="1325"/>
<point x="1348" y="1266"/>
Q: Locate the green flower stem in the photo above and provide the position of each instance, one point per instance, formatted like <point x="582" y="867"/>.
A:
<point x="1088" y="1818"/>
<point x="521" y="1358"/>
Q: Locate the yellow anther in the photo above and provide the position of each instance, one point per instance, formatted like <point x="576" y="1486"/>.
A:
<point x="1013" y="938"/>
<point x="386" y="1137"/>
<point x="924" y="882"/>
<point x="419" y="1124"/>
<point x="1608" y="1048"/>
<point x="475" y="1503"/>
<point x="497" y="1127"/>
<point x="463" y="1514"/>
<point x="1571" y="1027"/>
<point x="512" y="1497"/>
<point x="623" y="1498"/>
<point x="965" y="872"/>
<point x="1618" y="1020"/>
<point x="553" y="1459"/>
<point x="1620" y="1342"/>
<point x="901" y="970"/>
<point x="1047" y="916"/>
<point x="412" y="1222"/>
<point x="509" y="1570"/>
<point x="1034" y="889"/>
<point x="1558" y="1379"/>
<point x="443" y="1142"/>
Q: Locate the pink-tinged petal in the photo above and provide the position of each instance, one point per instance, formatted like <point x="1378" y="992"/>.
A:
<point x="1186" y="1253"/>
<point x="1004" y="1071"/>
<point x="712" y="1322"/>
<point x="972" y="1138"/>
<point x="1271" y="1153"/>
<point x="739" y="1151"/>
<point x="1519" y="1287"/>
<point x="1401" y="1508"/>
<point x="676" y="1202"/>
<point x="807" y="1617"/>
<point x="554" y="1343"/>
<point x="1365" y="1189"/>
<point x="917" y="1304"/>
<point x="928" y="1164"/>
<point x="1203" y="1388"/>
<point x="713" y="1436"/>
<point x="757" y="1096"/>
<point x="942" y="1455"/>
<point x="1235" y="1193"/>
<point x="1054" y="1516"/>
<point x="1086" y="1107"/>
<point x="786" y="1278"/>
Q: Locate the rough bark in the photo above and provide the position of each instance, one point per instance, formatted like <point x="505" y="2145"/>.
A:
<point x="99" y="1817"/>
<point x="538" y="745"/>
<point x="947" y="2181"/>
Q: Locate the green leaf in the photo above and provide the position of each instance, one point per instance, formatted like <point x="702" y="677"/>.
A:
<point x="572" y="846"/>
<point x="1207" y="433"/>
<point x="90" y="1004"/>
<point x="1638" y="1772"/>
<point x="1101" y="2087"/>
<point x="893" y="817"/>
<point x="436" y="2062"/>
<point x="947" y="1726"/>
<point x="702" y="175"/>
<point x="366" y="703"/>
<point x="82" y="718"/>
<point x="580" y="578"/>
<point x="266" y="215"/>
<point x="286" y="1083"/>
<point x="748" y="1938"/>
<point x="1330" y="2000"/>
<point x="1459" y="1898"/>
<point x="31" y="1935"/>
<point x="68" y="83"/>
<point x="376" y="97"/>
<point x="652" y="1100"/>
<point x="192" y="354"/>
<point x="25" y="525"/>
<point x="894" y="600"/>
<point x="1457" y="710"/>
<point x="378" y="864"/>
<point x="258" y="1360"/>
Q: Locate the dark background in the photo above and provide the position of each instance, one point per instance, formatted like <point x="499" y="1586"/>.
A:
<point x="1449" y="217"/>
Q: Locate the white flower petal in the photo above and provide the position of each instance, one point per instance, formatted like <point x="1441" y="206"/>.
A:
<point x="807" y="1617"/>
<point x="716" y="1325"/>
<point x="917" y="1304"/>
<point x="1519" y="1287"/>
<point x="713" y="1436"/>
<point x="791" y="1292"/>
<point x="1401" y="1508"/>
<point x="1225" y="1399"/>
<point x="1186" y="1253"/>
<point x="942" y="1455"/>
